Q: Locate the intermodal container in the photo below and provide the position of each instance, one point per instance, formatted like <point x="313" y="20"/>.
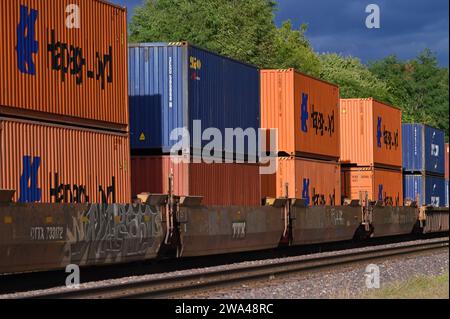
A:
<point x="218" y="183"/>
<point x="317" y="182"/>
<point x="423" y="149"/>
<point x="64" y="60"/>
<point x="60" y="164"/>
<point x="429" y="189"/>
<point x="177" y="85"/>
<point x="304" y="110"/>
<point x="446" y="193"/>
<point x="371" y="133"/>
<point x="384" y="185"/>
<point x="446" y="161"/>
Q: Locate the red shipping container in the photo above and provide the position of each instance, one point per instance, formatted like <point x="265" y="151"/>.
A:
<point x="315" y="181"/>
<point x="371" y="133"/>
<point x="384" y="185"/>
<point x="305" y="111"/>
<point x="218" y="183"/>
<point x="60" y="164"/>
<point x="65" y="61"/>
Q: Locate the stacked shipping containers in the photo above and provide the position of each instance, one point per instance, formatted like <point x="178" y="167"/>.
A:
<point x="64" y="102"/>
<point x="371" y="151"/>
<point x="176" y="89"/>
<point x="424" y="164"/>
<point x="305" y="113"/>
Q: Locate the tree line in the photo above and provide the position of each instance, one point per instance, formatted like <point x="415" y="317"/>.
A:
<point x="245" y="30"/>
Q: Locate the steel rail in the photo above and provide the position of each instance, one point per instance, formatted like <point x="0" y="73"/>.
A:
<point x="174" y="285"/>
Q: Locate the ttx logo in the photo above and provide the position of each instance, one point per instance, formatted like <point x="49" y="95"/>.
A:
<point x="27" y="45"/>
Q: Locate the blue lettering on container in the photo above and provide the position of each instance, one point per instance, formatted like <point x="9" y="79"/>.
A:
<point x="26" y="43"/>
<point x="304" y="111"/>
<point x="380" y="192"/>
<point x="379" y="133"/>
<point x="29" y="190"/>
<point x="305" y="192"/>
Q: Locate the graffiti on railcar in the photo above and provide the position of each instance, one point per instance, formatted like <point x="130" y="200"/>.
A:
<point x="106" y="233"/>
<point x="337" y="217"/>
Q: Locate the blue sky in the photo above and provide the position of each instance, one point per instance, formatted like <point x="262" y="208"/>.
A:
<point x="407" y="26"/>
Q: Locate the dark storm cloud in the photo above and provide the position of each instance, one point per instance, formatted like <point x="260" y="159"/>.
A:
<point x="407" y="26"/>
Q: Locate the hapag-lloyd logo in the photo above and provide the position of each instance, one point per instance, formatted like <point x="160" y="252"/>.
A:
<point x="321" y="123"/>
<point x="389" y="138"/>
<point x="27" y="46"/>
<point x="65" y="58"/>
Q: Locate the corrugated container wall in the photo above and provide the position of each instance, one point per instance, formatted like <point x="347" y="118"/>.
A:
<point x="52" y="70"/>
<point x="172" y="85"/>
<point x="446" y="161"/>
<point x="383" y="185"/>
<point x="53" y="164"/>
<point x="305" y="111"/>
<point x="423" y="149"/>
<point x="317" y="182"/>
<point x="371" y="133"/>
<point x="430" y="189"/>
<point x="219" y="184"/>
<point x="446" y="193"/>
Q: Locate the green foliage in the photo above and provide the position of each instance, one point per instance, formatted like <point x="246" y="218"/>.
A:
<point x="354" y="78"/>
<point x="419" y="87"/>
<point x="293" y="50"/>
<point x="241" y="29"/>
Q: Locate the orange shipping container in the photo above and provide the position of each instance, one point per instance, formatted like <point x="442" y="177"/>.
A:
<point x="381" y="184"/>
<point x="305" y="111"/>
<point x="315" y="181"/>
<point x="64" y="60"/>
<point x="53" y="164"/>
<point x="219" y="184"/>
<point x="371" y="133"/>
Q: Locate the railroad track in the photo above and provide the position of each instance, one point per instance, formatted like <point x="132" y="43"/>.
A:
<point x="175" y="285"/>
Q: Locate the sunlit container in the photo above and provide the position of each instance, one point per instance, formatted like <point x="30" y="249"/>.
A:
<point x="305" y="111"/>
<point x="316" y="182"/>
<point x="65" y="61"/>
<point x="423" y="149"/>
<point x="174" y="84"/>
<point x="429" y="189"/>
<point x="51" y="164"/>
<point x="218" y="183"/>
<point x="371" y="133"/>
<point x="385" y="185"/>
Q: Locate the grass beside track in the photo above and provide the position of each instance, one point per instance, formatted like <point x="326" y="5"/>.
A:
<point x="416" y="288"/>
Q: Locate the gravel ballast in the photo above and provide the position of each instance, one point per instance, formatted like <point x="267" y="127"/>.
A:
<point x="345" y="281"/>
<point x="342" y="282"/>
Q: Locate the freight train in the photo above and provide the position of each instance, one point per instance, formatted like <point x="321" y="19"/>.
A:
<point x="85" y="172"/>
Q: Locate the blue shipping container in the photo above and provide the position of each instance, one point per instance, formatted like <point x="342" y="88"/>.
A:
<point x="173" y="84"/>
<point x="430" y="189"/>
<point x="423" y="149"/>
